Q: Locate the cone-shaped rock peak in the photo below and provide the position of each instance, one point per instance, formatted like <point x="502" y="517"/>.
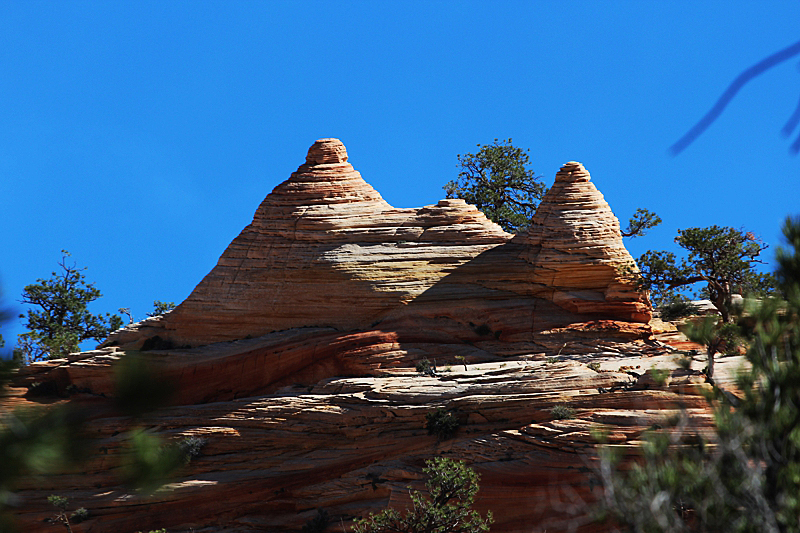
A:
<point x="576" y="249"/>
<point x="326" y="250"/>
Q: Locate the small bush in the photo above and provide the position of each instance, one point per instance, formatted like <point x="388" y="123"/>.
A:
<point x="192" y="447"/>
<point x="659" y="375"/>
<point x="79" y="515"/>
<point x="551" y="360"/>
<point x="59" y="502"/>
<point x="424" y="367"/>
<point x="562" y="412"/>
<point x="594" y="366"/>
<point x="678" y="307"/>
<point x="684" y="362"/>
<point x="441" y="423"/>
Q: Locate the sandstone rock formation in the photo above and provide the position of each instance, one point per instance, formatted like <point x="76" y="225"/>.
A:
<point x="329" y="280"/>
<point x="325" y="250"/>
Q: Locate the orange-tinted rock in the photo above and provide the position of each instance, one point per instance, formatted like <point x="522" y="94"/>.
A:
<point x="325" y="250"/>
<point x="329" y="280"/>
<point x="576" y="250"/>
<point x="351" y="446"/>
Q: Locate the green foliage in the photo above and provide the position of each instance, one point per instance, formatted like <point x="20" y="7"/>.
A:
<point x="659" y="376"/>
<point x="562" y="412"/>
<point x="451" y="491"/>
<point x="641" y="221"/>
<point x="160" y="308"/>
<point x="149" y="462"/>
<point x="79" y="515"/>
<point x="441" y="423"/>
<point x="423" y="366"/>
<point x="748" y="480"/>
<point x="677" y="306"/>
<point x="721" y="257"/>
<point x="717" y="336"/>
<point x="551" y="360"/>
<point x="59" y="502"/>
<point x="497" y="181"/>
<point x="60" y="320"/>
<point x="594" y="366"/>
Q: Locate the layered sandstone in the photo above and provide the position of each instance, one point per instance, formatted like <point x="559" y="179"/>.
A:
<point x="575" y="246"/>
<point x="329" y="280"/>
<point x="325" y="250"/>
<point x="351" y="446"/>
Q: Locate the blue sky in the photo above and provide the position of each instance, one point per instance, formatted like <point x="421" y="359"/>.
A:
<point x="141" y="136"/>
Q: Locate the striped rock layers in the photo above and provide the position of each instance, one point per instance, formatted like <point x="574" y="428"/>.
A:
<point x="574" y="245"/>
<point x="325" y="250"/>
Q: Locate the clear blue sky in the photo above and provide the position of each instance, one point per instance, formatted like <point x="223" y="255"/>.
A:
<point x="141" y="136"/>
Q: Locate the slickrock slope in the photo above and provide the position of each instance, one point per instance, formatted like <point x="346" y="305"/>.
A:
<point x="329" y="280"/>
<point x="352" y="445"/>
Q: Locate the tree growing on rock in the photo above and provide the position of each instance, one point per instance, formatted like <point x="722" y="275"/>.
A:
<point x="60" y="320"/>
<point x="721" y="258"/>
<point x="498" y="180"/>
<point x="748" y="479"/>
<point x="451" y="491"/>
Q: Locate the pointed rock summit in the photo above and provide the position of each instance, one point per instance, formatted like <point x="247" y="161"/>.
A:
<point x="326" y="250"/>
<point x="576" y="250"/>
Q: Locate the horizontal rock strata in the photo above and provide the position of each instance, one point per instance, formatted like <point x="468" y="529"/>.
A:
<point x="329" y="280"/>
<point x="325" y="250"/>
<point x="351" y="446"/>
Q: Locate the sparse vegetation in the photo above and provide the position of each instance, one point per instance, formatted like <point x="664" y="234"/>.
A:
<point x="594" y="366"/>
<point x="192" y="447"/>
<point x="684" y="362"/>
<point x="447" y="508"/>
<point x="748" y="480"/>
<point x="659" y="375"/>
<point x="60" y="320"/>
<point x="498" y="181"/>
<point x="551" y="360"/>
<point x="424" y="366"/>
<point x="161" y="308"/>
<point x="562" y="412"/>
<point x="677" y="306"/>
<point x="61" y="503"/>
<point x="441" y="423"/>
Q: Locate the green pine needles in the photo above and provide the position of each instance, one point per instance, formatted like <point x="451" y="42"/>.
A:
<point x="446" y="509"/>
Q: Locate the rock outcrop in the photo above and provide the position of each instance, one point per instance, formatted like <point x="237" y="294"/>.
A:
<point x="329" y="280"/>
<point x="325" y="250"/>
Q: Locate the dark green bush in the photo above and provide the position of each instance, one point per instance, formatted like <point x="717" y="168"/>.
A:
<point x="441" y="423"/>
<point x="562" y="412"/>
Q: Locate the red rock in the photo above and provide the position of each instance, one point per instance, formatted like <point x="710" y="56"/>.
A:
<point x="329" y="280"/>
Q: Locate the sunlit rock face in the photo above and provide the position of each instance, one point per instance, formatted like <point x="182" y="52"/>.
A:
<point x="574" y="245"/>
<point x="326" y="250"/>
<point x="294" y="358"/>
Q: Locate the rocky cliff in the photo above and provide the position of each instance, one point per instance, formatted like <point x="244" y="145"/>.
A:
<point x="329" y="280"/>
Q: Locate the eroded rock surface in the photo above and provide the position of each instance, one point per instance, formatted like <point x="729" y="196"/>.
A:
<point x="352" y="445"/>
<point x="329" y="280"/>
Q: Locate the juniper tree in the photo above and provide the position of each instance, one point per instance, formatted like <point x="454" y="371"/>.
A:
<point x="60" y="319"/>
